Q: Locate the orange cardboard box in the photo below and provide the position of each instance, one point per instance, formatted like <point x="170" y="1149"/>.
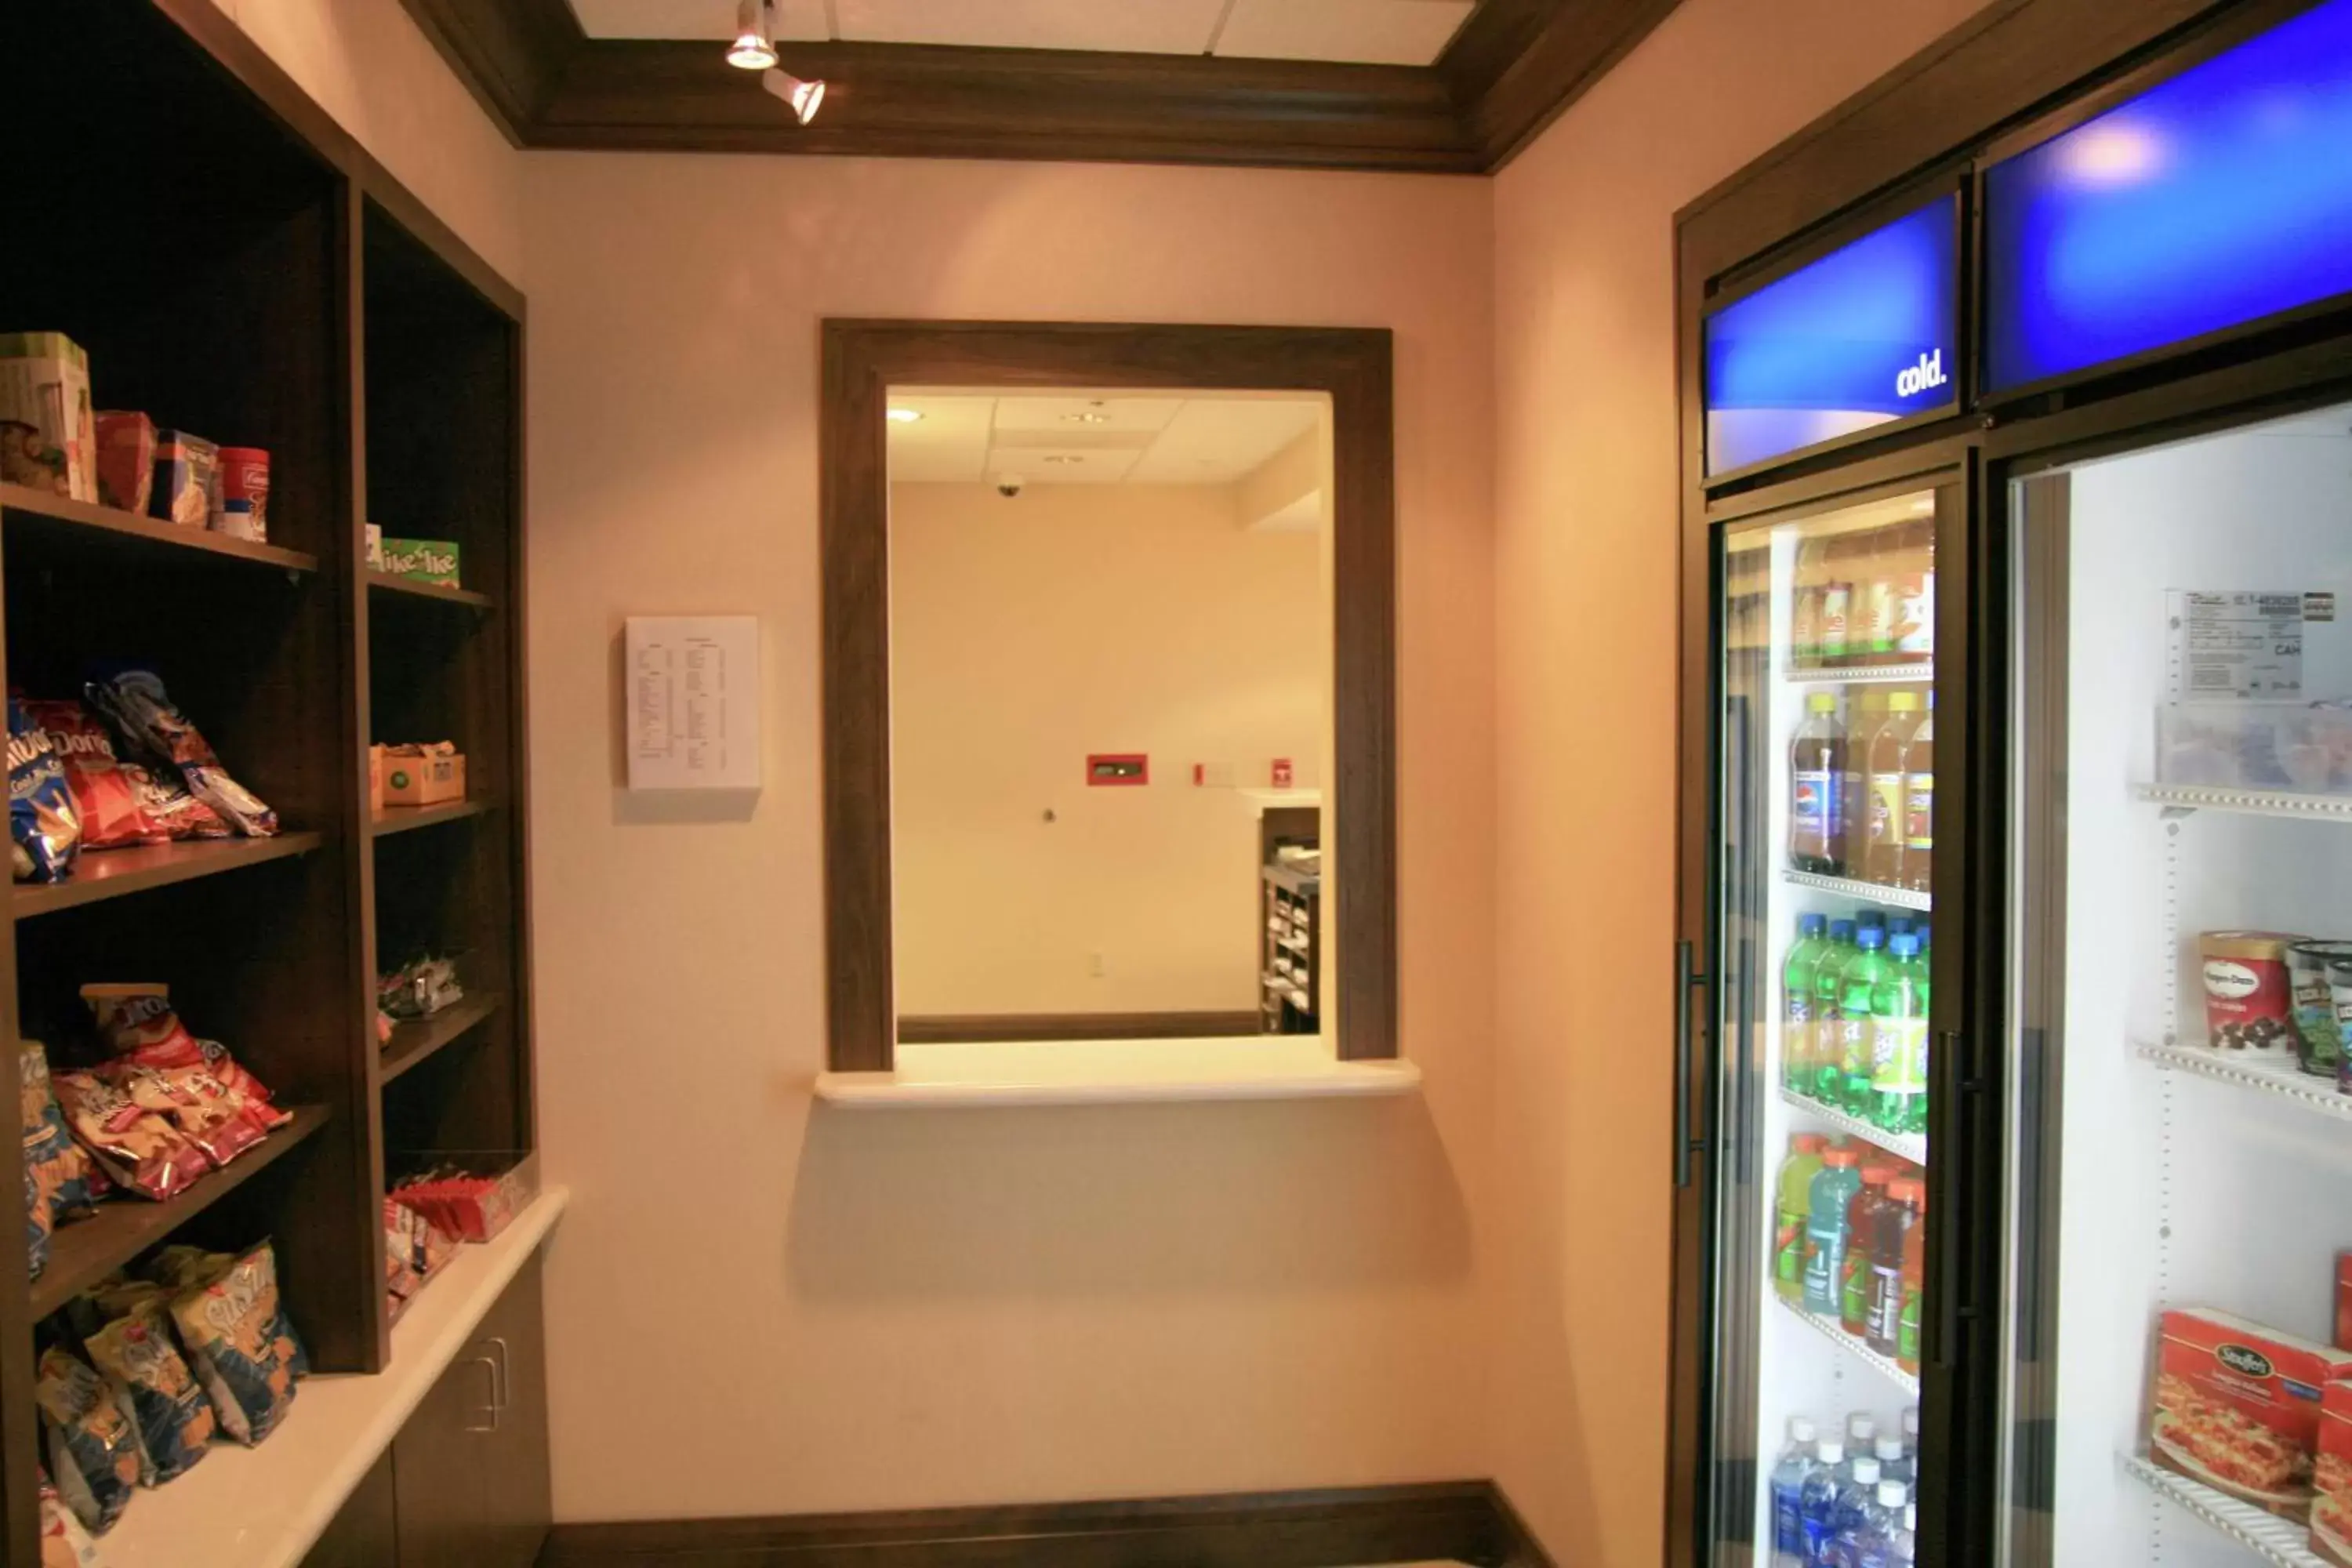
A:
<point x="2237" y="1406"/>
<point x="410" y="779"/>
<point x="2331" y="1479"/>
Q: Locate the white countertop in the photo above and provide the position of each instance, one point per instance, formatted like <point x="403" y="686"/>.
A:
<point x="1114" y="1072"/>
<point x="264" y="1507"/>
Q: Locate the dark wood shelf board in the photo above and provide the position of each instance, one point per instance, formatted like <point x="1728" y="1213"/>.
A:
<point x="401" y="819"/>
<point x="387" y="583"/>
<point x="114" y="873"/>
<point x="104" y="527"/>
<point x="82" y="1252"/>
<point x="417" y="1039"/>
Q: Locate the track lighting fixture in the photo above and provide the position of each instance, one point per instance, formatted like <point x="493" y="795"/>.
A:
<point x="754" y="49"/>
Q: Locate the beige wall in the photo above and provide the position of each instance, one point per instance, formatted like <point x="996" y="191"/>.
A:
<point x="1026" y="633"/>
<point x="1586" y="524"/>
<point x="756" y="1307"/>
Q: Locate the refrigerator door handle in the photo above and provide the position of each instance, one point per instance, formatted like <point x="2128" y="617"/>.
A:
<point x="1951" y="1239"/>
<point x="1687" y="979"/>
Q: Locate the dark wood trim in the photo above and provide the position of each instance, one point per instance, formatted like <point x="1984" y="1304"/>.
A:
<point x="1459" y="1522"/>
<point x="1515" y="66"/>
<point x="958" y="1028"/>
<point x="861" y="359"/>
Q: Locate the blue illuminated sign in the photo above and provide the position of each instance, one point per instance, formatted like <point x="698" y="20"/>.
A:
<point x="2216" y="199"/>
<point x="1861" y="337"/>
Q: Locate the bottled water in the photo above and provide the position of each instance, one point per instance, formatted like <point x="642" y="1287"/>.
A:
<point x="1867" y="1529"/>
<point x="1789" y="1476"/>
<point x="1894" y="1464"/>
<point x="1817" y="1501"/>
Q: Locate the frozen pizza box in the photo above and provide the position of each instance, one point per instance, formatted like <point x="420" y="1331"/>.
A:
<point x="2237" y="1406"/>
<point x="2331" y="1479"/>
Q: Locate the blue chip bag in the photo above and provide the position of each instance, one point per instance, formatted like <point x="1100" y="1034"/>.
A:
<point x="243" y="1349"/>
<point x="43" y="827"/>
<point x="170" y="1413"/>
<point x="93" y="1453"/>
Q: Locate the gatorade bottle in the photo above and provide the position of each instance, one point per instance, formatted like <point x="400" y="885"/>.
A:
<point x="1828" y="1082"/>
<point x="1817" y="770"/>
<point x="1788" y="1487"/>
<point x="1915" y="1286"/>
<point x="1857" y="991"/>
<point x="1919" y="805"/>
<point x="1892" y="1222"/>
<point x="1793" y="1206"/>
<point x="1854" y="1272"/>
<point x="1883" y="806"/>
<point x="1835" y="1185"/>
<point x="1797" y="1001"/>
<point x="1898" y="1031"/>
<point x="1817" y="1500"/>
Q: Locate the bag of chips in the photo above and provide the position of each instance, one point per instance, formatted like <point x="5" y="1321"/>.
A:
<point x="137" y="1149"/>
<point x="170" y="1413"/>
<point x="37" y="1225"/>
<point x="42" y="826"/>
<point x="59" y="1169"/>
<point x="119" y="802"/>
<point x="92" y="1450"/>
<point x="142" y="712"/>
<point x="64" y="1542"/>
<point x="243" y="1349"/>
<point x="138" y="1026"/>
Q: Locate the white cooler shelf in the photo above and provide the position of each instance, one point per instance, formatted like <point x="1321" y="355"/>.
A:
<point x="2262" y="1074"/>
<point x="2251" y="802"/>
<point x="2279" y="1540"/>
<point x="1868" y="892"/>
<point x="1861" y="675"/>
<point x="1911" y="1146"/>
<point x="1828" y="1327"/>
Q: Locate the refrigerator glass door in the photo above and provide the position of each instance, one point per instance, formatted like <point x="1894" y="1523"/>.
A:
<point x="2181" y="864"/>
<point x="1827" y="821"/>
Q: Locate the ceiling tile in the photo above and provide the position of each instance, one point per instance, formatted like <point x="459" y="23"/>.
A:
<point x="1062" y="465"/>
<point x="802" y="21"/>
<point x="1082" y="414"/>
<point x="1377" y="32"/>
<point x="1214" y="441"/>
<point x="949" y="443"/>
<point x="1148" y="26"/>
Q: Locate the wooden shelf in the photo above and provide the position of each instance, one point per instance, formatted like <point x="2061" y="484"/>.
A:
<point x="112" y="873"/>
<point x="80" y="524"/>
<point x="401" y="819"/>
<point x="409" y="587"/>
<point x="82" y="1252"/>
<point x="419" y="1038"/>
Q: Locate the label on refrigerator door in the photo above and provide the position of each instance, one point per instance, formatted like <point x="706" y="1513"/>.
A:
<point x="2224" y="644"/>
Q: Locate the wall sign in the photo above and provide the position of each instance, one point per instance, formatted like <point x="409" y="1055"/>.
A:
<point x="2215" y="198"/>
<point x="1865" y="336"/>
<point x="694" y="701"/>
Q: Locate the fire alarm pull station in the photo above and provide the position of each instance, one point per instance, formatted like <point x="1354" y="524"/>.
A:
<point x="1282" y="773"/>
<point x="1119" y="768"/>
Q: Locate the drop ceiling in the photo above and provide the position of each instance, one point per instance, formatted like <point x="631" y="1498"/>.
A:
<point x="1370" y="32"/>
<point x="1096" y="438"/>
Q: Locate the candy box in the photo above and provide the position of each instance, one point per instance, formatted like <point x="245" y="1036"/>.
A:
<point x="425" y="560"/>
<point x="186" y="488"/>
<point x="2331" y="1502"/>
<point x="2343" y="1300"/>
<point x="2237" y="1406"/>
<point x="423" y="775"/>
<point x="375" y="546"/>
<point x="126" y="460"/>
<point x="47" y="439"/>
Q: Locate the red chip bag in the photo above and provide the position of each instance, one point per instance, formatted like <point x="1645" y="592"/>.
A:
<point x="140" y="1150"/>
<point x="109" y="793"/>
<point x="138" y="1025"/>
<point x="209" y="1114"/>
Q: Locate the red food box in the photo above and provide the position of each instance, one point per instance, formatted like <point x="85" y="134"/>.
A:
<point x="126" y="461"/>
<point x="2343" y="1300"/>
<point x="2237" y="1406"/>
<point x="2331" y="1502"/>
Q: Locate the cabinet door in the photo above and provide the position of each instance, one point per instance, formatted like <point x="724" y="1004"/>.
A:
<point x="520" y="1504"/>
<point x="365" y="1533"/>
<point x="439" y="1461"/>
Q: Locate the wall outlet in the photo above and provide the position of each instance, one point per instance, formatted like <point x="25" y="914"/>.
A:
<point x="1098" y="965"/>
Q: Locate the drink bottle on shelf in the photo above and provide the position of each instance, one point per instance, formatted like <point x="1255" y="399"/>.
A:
<point x="1829" y="1078"/>
<point x="1817" y="1500"/>
<point x="1789" y="1477"/>
<point x="1794" y="1207"/>
<point x="1915" y="1286"/>
<point x="1836" y="620"/>
<point x="1890" y="1244"/>
<point x="1911" y="1433"/>
<point x="1807" y="583"/>
<point x="1861" y="1433"/>
<point x="1854" y="1273"/>
<point x="1854" y="1513"/>
<point x="1919" y="805"/>
<point x="1835" y="1185"/>
<point x="1898" y="1039"/>
<point x="1797" y="1002"/>
<point x="1817" y="773"/>
<point x="1865" y="713"/>
<point x="1893" y="1462"/>
<point x="1857" y="991"/>
<point x="1904" y="1548"/>
<point x="1886" y="765"/>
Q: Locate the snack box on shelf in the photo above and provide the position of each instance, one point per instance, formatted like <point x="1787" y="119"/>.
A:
<point x="2304" y="747"/>
<point x="422" y="560"/>
<point x="470" y="1193"/>
<point x="48" y="440"/>
<point x="2237" y="1406"/>
<point x="425" y="778"/>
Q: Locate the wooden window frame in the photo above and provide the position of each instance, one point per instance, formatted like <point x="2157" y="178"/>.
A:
<point x="862" y="361"/>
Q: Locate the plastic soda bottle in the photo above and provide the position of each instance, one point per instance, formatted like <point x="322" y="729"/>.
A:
<point x="1835" y="1185"/>
<point x="1791" y="1209"/>
<point x="1788" y="1475"/>
<point x="1919" y="803"/>
<point x="1855" y="1271"/>
<point x="1829" y="1078"/>
<point x="1797" y="1001"/>
<point x="1882" y="825"/>
<point x="1898" y="1037"/>
<point x="1817" y="770"/>
<point x="1857" y="992"/>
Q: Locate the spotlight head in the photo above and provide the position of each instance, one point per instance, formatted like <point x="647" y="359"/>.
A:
<point x="803" y="96"/>
<point x="753" y="48"/>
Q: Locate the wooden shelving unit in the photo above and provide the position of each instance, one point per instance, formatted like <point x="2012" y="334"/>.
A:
<point x="401" y="819"/>
<point x="306" y="304"/>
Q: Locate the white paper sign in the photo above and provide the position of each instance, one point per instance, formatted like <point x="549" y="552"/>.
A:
<point x="694" y="701"/>
<point x="2224" y="644"/>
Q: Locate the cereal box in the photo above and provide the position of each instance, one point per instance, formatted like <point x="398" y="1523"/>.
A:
<point x="2331" y="1502"/>
<point x="2237" y="1406"/>
<point x="47" y="439"/>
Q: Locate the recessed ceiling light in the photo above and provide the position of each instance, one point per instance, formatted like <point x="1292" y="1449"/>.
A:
<point x="904" y="415"/>
<point x="752" y="50"/>
<point x="1061" y="458"/>
<point x="1087" y="418"/>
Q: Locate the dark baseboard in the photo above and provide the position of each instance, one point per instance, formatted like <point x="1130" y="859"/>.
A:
<point x="1459" y="1522"/>
<point x="946" y="1028"/>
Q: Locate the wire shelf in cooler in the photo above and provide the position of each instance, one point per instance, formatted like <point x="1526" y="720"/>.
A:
<point x="2264" y="1074"/>
<point x="1828" y="1327"/>
<point x="1863" y="675"/>
<point x="1911" y="1146"/>
<point x="2247" y="801"/>
<point x="2279" y="1540"/>
<point x="1867" y="892"/>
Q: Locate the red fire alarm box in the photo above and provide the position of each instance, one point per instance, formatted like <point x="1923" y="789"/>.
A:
<point x="1119" y="768"/>
<point x="1282" y="773"/>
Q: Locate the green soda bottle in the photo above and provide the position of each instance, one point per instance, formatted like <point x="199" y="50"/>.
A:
<point x="1828" y="1084"/>
<point x="1797" y="1003"/>
<point x="1857" y="994"/>
<point x="1898" y="1029"/>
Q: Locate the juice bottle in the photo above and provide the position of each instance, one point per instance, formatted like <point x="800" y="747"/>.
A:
<point x="1797" y="1002"/>
<point x="1913" y="598"/>
<point x="1817" y="768"/>
<point x="1898" y="1033"/>
<point x="1873" y="636"/>
<point x="1883" y="807"/>
<point x="1854" y="1272"/>
<point x="1919" y="803"/>
<point x="1857" y="993"/>
<point x="1914" y="1288"/>
<point x="1891" y="1224"/>
<point x="1837" y="600"/>
<point x="1806" y="584"/>
<point x="1865" y="716"/>
<point x="1828" y="1084"/>
<point x="1835" y="1185"/>
<point x="1793" y="1203"/>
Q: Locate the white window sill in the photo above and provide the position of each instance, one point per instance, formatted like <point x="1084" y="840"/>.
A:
<point x="1114" y="1072"/>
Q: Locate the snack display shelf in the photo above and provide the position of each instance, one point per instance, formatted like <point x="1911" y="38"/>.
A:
<point x="1911" y="1146"/>
<point x="1867" y="892"/>
<point x="417" y="1039"/>
<point x="1861" y="675"/>
<point x="2266" y="1074"/>
<point x="1909" y="1382"/>
<point x="401" y="819"/>
<point x="2248" y="801"/>
<point x="82" y="524"/>
<point x="83" y="1251"/>
<point x="387" y="583"/>
<point x="111" y="873"/>
<point x="2279" y="1540"/>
